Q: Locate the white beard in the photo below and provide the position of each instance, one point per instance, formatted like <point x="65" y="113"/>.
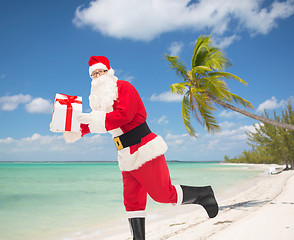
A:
<point x="103" y="93"/>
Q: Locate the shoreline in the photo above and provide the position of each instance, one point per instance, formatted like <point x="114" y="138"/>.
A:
<point x="113" y="161"/>
<point x="191" y="222"/>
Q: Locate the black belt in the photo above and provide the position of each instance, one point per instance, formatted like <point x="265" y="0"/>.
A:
<point x="132" y="137"/>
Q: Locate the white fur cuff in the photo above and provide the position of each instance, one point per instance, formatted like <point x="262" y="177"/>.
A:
<point x="97" y="122"/>
<point x="136" y="214"/>
<point x="179" y="194"/>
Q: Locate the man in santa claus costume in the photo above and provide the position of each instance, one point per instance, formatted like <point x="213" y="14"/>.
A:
<point x="117" y="108"/>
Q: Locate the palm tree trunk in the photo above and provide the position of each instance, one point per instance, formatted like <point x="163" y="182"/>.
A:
<point x="286" y="160"/>
<point x="252" y="115"/>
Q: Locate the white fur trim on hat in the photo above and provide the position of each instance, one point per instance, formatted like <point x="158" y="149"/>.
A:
<point x="97" y="66"/>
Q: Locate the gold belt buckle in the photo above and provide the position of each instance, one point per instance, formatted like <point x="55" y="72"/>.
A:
<point x="118" y="143"/>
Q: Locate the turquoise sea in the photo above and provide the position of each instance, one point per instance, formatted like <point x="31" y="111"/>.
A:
<point x="40" y="201"/>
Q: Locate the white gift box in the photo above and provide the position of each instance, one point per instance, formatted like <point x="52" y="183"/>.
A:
<point x="65" y="112"/>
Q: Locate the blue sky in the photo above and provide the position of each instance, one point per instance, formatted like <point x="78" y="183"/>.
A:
<point x="45" y="47"/>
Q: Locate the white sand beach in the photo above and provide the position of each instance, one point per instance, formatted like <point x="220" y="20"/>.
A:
<point x="259" y="209"/>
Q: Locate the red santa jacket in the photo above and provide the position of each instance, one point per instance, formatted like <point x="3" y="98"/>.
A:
<point x="128" y="113"/>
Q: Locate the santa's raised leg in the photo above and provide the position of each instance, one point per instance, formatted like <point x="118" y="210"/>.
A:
<point x="117" y="108"/>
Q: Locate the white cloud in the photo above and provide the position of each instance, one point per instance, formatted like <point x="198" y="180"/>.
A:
<point x="235" y="133"/>
<point x="101" y="147"/>
<point x="251" y="128"/>
<point x="54" y="147"/>
<point x="122" y="75"/>
<point x="226" y="125"/>
<point x="36" y="105"/>
<point x="175" y="48"/>
<point x="265" y="19"/>
<point x="40" y="105"/>
<point x="147" y="19"/>
<point x="129" y="78"/>
<point x="166" y="97"/>
<point x="212" y="144"/>
<point x="10" y="103"/>
<point x="223" y="42"/>
<point x="207" y="146"/>
<point x="177" y="141"/>
<point x="34" y="137"/>
<point x="230" y="114"/>
<point x="162" y="120"/>
<point x="271" y="104"/>
<point x="37" y="142"/>
<point x="6" y="140"/>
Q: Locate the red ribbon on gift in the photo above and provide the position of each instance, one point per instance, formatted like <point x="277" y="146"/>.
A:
<point x="68" y="101"/>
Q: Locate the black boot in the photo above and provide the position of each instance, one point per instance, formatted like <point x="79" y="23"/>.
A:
<point x="137" y="226"/>
<point x="203" y="196"/>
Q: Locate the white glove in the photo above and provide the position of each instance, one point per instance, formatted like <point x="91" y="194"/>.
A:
<point x="95" y="119"/>
<point x="84" y="118"/>
<point x="71" y="136"/>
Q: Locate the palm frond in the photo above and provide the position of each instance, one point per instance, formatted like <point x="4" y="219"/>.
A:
<point x="186" y="115"/>
<point x="216" y="59"/>
<point x="176" y="64"/>
<point x="198" y="55"/>
<point x="237" y="99"/>
<point x="179" y="88"/>
<point x="226" y="75"/>
<point x="208" y="55"/>
<point x="215" y="87"/>
<point x="200" y="70"/>
<point x="205" y="109"/>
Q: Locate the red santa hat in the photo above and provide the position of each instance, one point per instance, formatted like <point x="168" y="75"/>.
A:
<point x="98" y="62"/>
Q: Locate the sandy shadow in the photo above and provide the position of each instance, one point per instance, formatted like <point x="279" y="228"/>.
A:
<point x="247" y="204"/>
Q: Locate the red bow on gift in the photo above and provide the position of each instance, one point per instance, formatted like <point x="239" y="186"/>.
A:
<point x="68" y="101"/>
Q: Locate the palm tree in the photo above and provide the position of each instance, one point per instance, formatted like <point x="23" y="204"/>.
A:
<point x="204" y="88"/>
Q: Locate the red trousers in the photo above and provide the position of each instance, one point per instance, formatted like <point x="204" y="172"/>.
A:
<point x="152" y="178"/>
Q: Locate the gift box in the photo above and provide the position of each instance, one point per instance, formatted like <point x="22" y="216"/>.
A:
<point x="65" y="112"/>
